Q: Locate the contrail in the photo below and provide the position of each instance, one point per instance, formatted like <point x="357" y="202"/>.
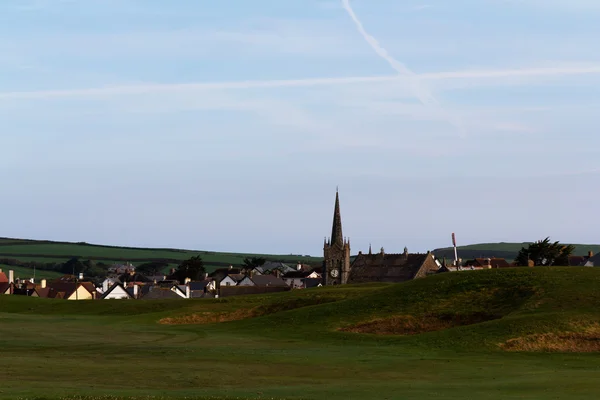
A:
<point x="425" y="96"/>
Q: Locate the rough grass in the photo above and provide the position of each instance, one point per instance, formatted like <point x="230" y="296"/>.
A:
<point x="411" y="325"/>
<point x="581" y="338"/>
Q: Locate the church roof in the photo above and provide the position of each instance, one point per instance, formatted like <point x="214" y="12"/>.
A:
<point x="337" y="238"/>
<point x="386" y="267"/>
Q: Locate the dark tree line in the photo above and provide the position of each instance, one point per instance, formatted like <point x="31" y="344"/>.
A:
<point x="545" y="253"/>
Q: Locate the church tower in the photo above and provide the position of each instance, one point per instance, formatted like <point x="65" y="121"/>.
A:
<point x="336" y="251"/>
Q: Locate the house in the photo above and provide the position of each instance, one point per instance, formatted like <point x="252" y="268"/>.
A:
<point x="107" y="284"/>
<point x="72" y="290"/>
<point x="382" y="267"/>
<point x="7" y="282"/>
<point x="231" y="280"/>
<point x="165" y="292"/>
<point x="276" y="268"/>
<point x="591" y="260"/>
<point x="119" y="269"/>
<point x="118" y="292"/>
<point x="199" y="289"/>
<point x="487" y="263"/>
<point x="41" y="290"/>
<point x="296" y="279"/>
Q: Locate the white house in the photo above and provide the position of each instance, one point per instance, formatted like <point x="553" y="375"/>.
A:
<point x="117" y="291"/>
<point x="228" y="281"/>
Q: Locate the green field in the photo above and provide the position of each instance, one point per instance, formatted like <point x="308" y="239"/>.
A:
<point x="529" y="333"/>
<point x="58" y="252"/>
<point x="26" y="273"/>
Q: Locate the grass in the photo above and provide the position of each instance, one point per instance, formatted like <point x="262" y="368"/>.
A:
<point x="26" y="273"/>
<point x="300" y="345"/>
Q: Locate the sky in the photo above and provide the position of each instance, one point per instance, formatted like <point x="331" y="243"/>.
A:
<point x="227" y="125"/>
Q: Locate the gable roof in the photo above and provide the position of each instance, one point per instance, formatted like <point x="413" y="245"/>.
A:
<point x="380" y="267"/>
<point x="42" y="292"/>
<point x="3" y="278"/>
<point x="4" y="287"/>
<point x="593" y="261"/>
<point x="271" y="265"/>
<point x="115" y="287"/>
<point x="235" y="277"/>
<point x="66" y="289"/>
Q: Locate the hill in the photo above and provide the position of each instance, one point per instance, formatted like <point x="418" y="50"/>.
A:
<point x="42" y="251"/>
<point x="493" y="334"/>
<point x="502" y="250"/>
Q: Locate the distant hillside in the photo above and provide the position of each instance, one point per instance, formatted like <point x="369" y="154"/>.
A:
<point x="44" y="251"/>
<point x="501" y="250"/>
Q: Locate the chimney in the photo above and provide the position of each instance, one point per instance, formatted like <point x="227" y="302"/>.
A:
<point x="135" y="291"/>
<point x="187" y="280"/>
<point x="590" y="255"/>
<point x="80" y="275"/>
<point x="43" y="283"/>
<point x="11" y="276"/>
<point x="231" y="267"/>
<point x="299" y="267"/>
<point x="105" y="286"/>
<point x="205" y="275"/>
<point x="188" y="294"/>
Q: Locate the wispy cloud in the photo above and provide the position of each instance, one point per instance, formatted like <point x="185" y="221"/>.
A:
<point x="421" y="92"/>
<point x="490" y="74"/>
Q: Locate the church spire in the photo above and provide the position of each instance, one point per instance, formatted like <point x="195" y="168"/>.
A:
<point x="336" y="231"/>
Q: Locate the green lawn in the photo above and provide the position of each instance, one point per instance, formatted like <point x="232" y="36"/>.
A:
<point x="289" y="344"/>
<point x="26" y="273"/>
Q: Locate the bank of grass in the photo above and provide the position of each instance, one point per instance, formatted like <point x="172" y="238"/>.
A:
<point x="297" y="349"/>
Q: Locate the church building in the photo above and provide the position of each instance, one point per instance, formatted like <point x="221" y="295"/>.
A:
<point x="371" y="267"/>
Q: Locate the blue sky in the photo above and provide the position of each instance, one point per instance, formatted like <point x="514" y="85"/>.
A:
<point x="227" y="125"/>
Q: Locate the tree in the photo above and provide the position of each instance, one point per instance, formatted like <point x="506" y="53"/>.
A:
<point x="545" y="253"/>
<point x="192" y="268"/>
<point x="250" y="263"/>
<point x="151" y="268"/>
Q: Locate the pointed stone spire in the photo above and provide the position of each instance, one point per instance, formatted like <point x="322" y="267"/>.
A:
<point x="370" y="252"/>
<point x="337" y="237"/>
